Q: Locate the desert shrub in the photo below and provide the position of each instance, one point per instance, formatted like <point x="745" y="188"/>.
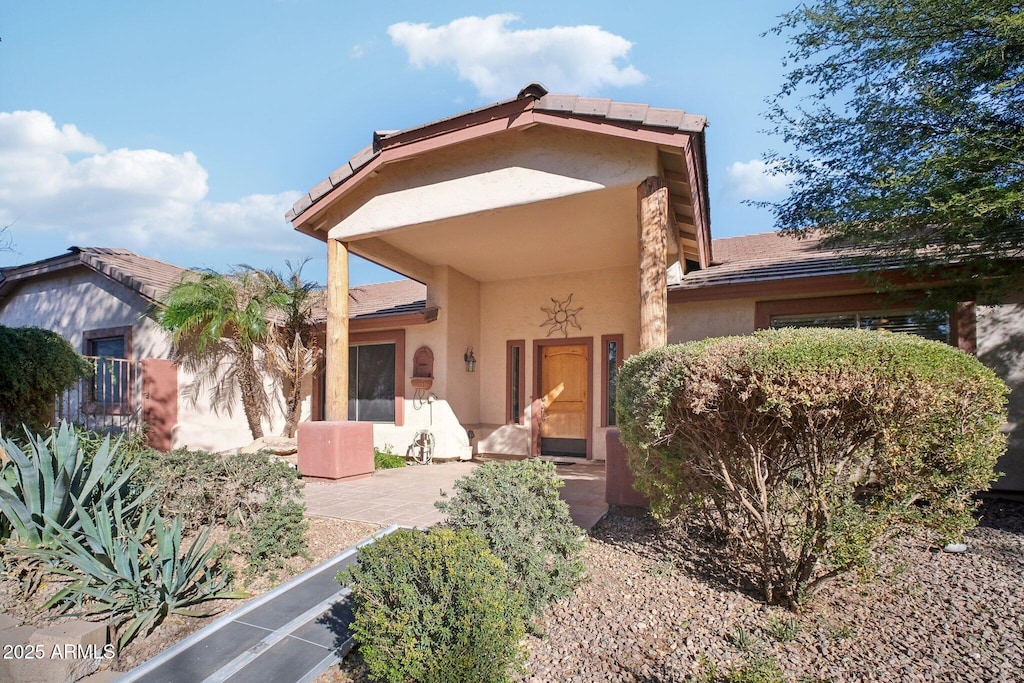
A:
<point x="806" y="447"/>
<point x="48" y="482"/>
<point x="434" y="607"/>
<point x="516" y="508"/>
<point x="35" y="365"/>
<point x="134" y="573"/>
<point x="258" y="496"/>
<point x="386" y="459"/>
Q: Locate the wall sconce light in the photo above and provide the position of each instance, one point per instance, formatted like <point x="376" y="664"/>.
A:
<point x="470" y="360"/>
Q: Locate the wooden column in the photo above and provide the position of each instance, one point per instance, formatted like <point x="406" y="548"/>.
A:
<point x="336" y="395"/>
<point x="653" y="225"/>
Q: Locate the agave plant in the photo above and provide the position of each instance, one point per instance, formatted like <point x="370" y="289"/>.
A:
<point x="134" y="573"/>
<point x="52" y="478"/>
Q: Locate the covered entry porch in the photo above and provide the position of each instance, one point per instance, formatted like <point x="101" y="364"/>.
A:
<point x="544" y="229"/>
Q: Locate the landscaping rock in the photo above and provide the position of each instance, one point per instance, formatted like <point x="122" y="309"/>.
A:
<point x="660" y="606"/>
<point x="72" y="650"/>
<point x="277" y="445"/>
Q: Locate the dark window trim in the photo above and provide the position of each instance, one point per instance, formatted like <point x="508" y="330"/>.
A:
<point x="619" y="339"/>
<point x="123" y="406"/>
<point x="106" y="333"/>
<point x="396" y="337"/>
<point x="520" y="344"/>
<point x="961" y="321"/>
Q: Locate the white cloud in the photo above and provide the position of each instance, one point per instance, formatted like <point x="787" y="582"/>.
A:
<point x="754" y="180"/>
<point x="59" y="180"/>
<point x="498" y="61"/>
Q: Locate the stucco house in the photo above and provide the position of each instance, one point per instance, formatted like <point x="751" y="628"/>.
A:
<point x="555" y="235"/>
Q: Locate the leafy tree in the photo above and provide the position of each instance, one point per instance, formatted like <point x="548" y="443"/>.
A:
<point x="292" y="346"/>
<point x="35" y="365"/>
<point x="217" y="322"/>
<point x="907" y="125"/>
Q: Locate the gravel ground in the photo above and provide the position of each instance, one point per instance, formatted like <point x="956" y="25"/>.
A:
<point x="658" y="608"/>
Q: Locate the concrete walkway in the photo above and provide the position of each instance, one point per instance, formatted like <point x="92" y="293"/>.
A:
<point x="406" y="495"/>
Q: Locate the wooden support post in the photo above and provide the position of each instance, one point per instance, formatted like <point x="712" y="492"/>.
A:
<point x="653" y="222"/>
<point x="336" y="398"/>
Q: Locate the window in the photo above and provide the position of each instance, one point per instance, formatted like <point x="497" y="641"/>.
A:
<point x="376" y="378"/>
<point x="611" y="361"/>
<point x="371" y="383"/>
<point x="515" y="380"/>
<point x="111" y="382"/>
<point x="932" y="325"/>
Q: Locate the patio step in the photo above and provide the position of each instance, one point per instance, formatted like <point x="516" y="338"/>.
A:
<point x="292" y="633"/>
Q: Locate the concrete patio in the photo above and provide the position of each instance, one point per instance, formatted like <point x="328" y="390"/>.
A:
<point x="406" y="495"/>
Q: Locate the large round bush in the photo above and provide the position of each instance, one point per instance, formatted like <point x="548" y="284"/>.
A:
<point x="805" y="447"/>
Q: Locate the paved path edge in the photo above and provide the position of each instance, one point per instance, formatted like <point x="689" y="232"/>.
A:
<point x="231" y="616"/>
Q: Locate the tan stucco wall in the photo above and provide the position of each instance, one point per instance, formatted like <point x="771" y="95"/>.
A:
<point x="79" y="299"/>
<point x="512" y="310"/>
<point x="703" y="319"/>
<point x="450" y="405"/>
<point x="202" y="427"/>
<point x="1001" y="347"/>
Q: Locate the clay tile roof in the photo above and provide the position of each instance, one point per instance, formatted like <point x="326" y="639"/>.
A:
<point x="771" y="256"/>
<point x="149" y="277"/>
<point x="561" y="104"/>
<point x="379" y="300"/>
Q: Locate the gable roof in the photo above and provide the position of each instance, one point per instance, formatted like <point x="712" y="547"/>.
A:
<point x="677" y="134"/>
<point x="146" y="276"/>
<point x="535" y="97"/>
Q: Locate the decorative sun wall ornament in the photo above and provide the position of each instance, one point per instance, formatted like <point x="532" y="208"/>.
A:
<point x="560" y="316"/>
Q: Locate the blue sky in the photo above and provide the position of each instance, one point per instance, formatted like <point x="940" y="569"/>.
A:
<point x="184" y="130"/>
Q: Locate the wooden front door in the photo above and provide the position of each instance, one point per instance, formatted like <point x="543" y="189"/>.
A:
<point x="565" y="395"/>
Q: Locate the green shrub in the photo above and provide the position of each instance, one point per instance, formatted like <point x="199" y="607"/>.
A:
<point x="35" y="365"/>
<point x="806" y="447"/>
<point x="47" y="483"/>
<point x="516" y="508"/>
<point x="386" y="459"/>
<point x="257" y="495"/>
<point x="434" y="607"/>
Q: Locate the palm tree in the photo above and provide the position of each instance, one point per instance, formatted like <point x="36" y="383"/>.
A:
<point x="217" y="322"/>
<point x="292" y="346"/>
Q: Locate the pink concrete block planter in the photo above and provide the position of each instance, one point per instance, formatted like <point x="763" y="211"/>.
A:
<point x="336" y="450"/>
<point x="618" y="485"/>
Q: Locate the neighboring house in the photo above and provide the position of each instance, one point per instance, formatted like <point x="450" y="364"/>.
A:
<point x="101" y="301"/>
<point x="98" y="300"/>
<point x="555" y="236"/>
